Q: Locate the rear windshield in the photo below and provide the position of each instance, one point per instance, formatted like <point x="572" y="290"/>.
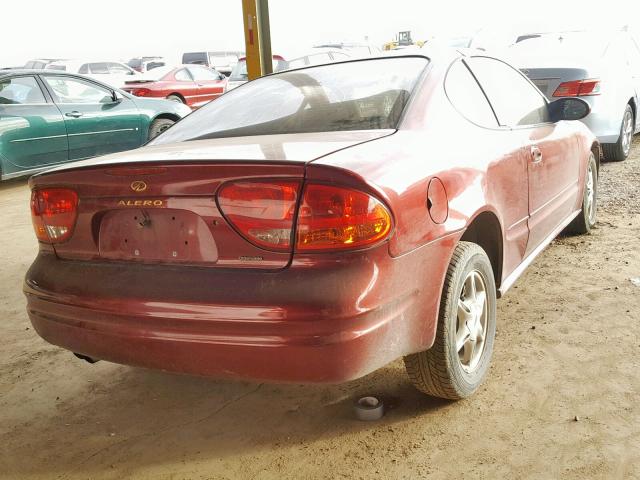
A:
<point x="195" y="57"/>
<point x="361" y="95"/>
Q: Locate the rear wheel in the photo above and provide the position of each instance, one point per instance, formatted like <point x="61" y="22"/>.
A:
<point x="457" y="363"/>
<point x="616" y="152"/>
<point x="586" y="219"/>
<point x="175" y="98"/>
<point x="158" y="126"/>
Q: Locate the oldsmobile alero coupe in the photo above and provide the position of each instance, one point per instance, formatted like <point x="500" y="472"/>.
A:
<point x="316" y="224"/>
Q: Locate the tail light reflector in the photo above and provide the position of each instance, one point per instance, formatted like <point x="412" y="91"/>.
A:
<point x="335" y="218"/>
<point x="263" y="212"/>
<point x="578" y="88"/>
<point x="140" y="92"/>
<point x="53" y="213"/>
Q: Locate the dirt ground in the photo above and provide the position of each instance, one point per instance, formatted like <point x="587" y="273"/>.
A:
<point x="561" y="401"/>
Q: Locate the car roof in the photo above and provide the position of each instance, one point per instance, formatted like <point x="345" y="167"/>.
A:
<point x="61" y="73"/>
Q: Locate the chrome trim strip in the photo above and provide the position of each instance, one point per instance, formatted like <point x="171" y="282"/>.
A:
<point x="508" y="282"/>
<point x="102" y="131"/>
<point x="37" y="138"/>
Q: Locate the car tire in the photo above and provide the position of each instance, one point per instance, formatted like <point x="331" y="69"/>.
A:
<point x="586" y="219"/>
<point x="619" y="151"/>
<point x="175" y="98"/>
<point x="458" y="362"/>
<point x="158" y="126"/>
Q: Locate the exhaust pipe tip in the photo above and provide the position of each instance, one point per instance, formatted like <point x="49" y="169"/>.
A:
<point x="86" y="358"/>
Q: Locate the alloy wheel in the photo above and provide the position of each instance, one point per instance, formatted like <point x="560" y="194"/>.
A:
<point x="471" y="328"/>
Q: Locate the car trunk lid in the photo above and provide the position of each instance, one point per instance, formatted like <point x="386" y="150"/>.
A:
<point x="549" y="79"/>
<point x="159" y="205"/>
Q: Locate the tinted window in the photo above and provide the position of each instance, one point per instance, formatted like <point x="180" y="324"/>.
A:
<point x="118" y="69"/>
<point x="200" y="73"/>
<point x="183" y="76"/>
<point x="100" y="68"/>
<point x="514" y="99"/>
<point x="135" y="63"/>
<point x="84" y="68"/>
<point x="337" y="97"/>
<point x="195" y="57"/>
<point x="467" y="97"/>
<point x="72" y="90"/>
<point x="20" y="91"/>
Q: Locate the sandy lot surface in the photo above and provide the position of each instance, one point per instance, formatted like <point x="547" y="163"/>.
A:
<point x="561" y="401"/>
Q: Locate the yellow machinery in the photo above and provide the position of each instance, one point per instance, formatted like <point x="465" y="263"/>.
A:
<point x="403" y="39"/>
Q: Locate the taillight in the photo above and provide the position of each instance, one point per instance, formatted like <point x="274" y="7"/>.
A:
<point x="578" y="88"/>
<point x="336" y="218"/>
<point x="329" y="217"/>
<point x="262" y="212"/>
<point x="140" y="92"/>
<point x="53" y="213"/>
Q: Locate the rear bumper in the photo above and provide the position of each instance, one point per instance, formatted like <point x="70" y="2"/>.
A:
<point x="604" y="121"/>
<point x="329" y="321"/>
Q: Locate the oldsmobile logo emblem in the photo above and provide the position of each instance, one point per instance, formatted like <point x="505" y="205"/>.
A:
<point x="138" y="186"/>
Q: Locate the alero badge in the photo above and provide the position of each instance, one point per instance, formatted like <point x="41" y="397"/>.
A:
<point x="138" y="186"/>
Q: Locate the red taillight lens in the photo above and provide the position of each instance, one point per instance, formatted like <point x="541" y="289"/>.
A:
<point x="334" y="218"/>
<point x="54" y="212"/>
<point x="140" y="92"/>
<point x="578" y="88"/>
<point x="262" y="212"/>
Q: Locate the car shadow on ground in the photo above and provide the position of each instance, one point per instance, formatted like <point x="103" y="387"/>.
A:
<point x="6" y="185"/>
<point x="130" y="415"/>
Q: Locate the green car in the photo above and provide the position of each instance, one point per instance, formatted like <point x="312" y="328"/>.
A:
<point x="48" y="118"/>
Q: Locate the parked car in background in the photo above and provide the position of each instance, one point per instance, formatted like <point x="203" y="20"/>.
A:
<point x="317" y="56"/>
<point x="239" y="73"/>
<point x="40" y="63"/>
<point x="317" y="224"/>
<point x="144" y="64"/>
<point x="193" y="85"/>
<point x="354" y="49"/>
<point x="601" y="68"/>
<point x="222" y="61"/>
<point x="49" y="117"/>
<point x="114" y="74"/>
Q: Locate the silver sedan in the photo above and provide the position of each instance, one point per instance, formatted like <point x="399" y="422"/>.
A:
<point x="602" y="69"/>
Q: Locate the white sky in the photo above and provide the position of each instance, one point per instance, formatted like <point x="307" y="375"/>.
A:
<point x="121" y="29"/>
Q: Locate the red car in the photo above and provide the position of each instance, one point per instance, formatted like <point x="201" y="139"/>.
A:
<point x="193" y="85"/>
<point x="317" y="224"/>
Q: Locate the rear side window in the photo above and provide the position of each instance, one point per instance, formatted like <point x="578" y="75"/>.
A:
<point x="20" y="91"/>
<point x="118" y="69"/>
<point x="466" y="96"/>
<point x="515" y="101"/>
<point x="183" y="76"/>
<point x="99" y="68"/>
<point x="201" y="73"/>
<point x="74" y="90"/>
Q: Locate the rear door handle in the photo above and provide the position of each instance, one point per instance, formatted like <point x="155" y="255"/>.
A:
<point x="536" y="154"/>
<point x="74" y="114"/>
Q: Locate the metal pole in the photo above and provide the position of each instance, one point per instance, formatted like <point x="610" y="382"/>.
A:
<point x="257" y="37"/>
<point x="264" y="36"/>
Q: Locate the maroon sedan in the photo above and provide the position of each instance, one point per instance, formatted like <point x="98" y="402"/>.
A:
<point x="193" y="85"/>
<point x="317" y="224"/>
